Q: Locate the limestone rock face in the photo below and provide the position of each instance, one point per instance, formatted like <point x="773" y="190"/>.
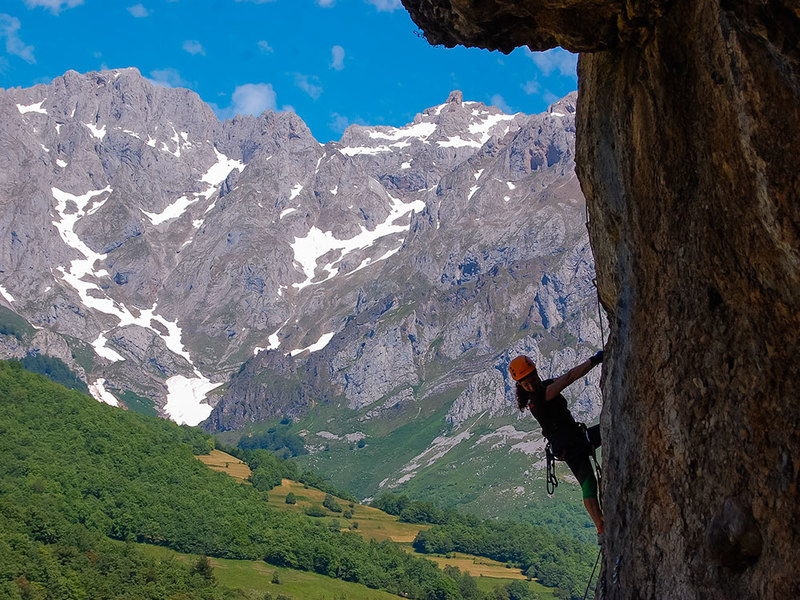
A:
<point x="241" y="271"/>
<point x="687" y="129"/>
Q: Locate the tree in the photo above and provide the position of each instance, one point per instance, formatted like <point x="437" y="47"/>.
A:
<point x="203" y="567"/>
<point x="291" y="498"/>
<point x="520" y="590"/>
<point x="331" y="504"/>
<point x="315" y="510"/>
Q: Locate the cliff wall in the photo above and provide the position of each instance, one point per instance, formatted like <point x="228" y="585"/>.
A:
<point x="687" y="129"/>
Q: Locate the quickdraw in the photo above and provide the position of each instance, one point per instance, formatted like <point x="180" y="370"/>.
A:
<point x="552" y="481"/>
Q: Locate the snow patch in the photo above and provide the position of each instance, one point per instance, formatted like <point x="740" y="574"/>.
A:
<point x="417" y="130"/>
<point x="103" y="351"/>
<point x="5" y="294"/>
<point x="353" y="150"/>
<point x="79" y="268"/>
<point x="219" y="172"/>
<point x="483" y="127"/>
<point x="458" y="142"/>
<point x="99" y="393"/>
<point x="368" y="261"/>
<point x="61" y="163"/>
<point x="295" y="191"/>
<point x="309" y="249"/>
<point x="34" y="108"/>
<point x="173" y="211"/>
<point x="185" y="399"/>
<point x="98" y="132"/>
<point x="318" y="345"/>
<point x="274" y="340"/>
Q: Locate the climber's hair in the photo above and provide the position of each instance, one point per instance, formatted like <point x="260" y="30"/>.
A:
<point x="523" y="397"/>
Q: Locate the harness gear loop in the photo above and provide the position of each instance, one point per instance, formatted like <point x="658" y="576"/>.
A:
<point x="552" y="481"/>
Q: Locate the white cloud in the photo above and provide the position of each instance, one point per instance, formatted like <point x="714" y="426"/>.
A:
<point x="9" y="26"/>
<point x="337" y="58"/>
<point x="253" y="99"/>
<point x="532" y="87"/>
<point x="304" y="83"/>
<point x="265" y="47"/>
<point x="138" y="11"/>
<point x="326" y="3"/>
<point x="555" y="59"/>
<point x="194" y="47"/>
<point x="498" y="101"/>
<point x="249" y="99"/>
<point x="168" y="77"/>
<point x="385" y="5"/>
<point x="256" y="1"/>
<point x="54" y="6"/>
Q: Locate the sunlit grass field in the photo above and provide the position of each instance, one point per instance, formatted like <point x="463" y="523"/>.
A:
<point x="256" y="578"/>
<point x="368" y="522"/>
<point x="225" y="463"/>
<point x="372" y="523"/>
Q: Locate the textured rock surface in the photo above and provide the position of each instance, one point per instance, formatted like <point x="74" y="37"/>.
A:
<point x="687" y="143"/>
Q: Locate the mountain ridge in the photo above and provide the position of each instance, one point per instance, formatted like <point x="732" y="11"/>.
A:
<point x="236" y="272"/>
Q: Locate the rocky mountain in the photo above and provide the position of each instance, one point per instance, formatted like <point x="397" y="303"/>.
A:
<point x="239" y="272"/>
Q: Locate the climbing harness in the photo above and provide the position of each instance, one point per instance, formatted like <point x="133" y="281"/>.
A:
<point x="552" y="481"/>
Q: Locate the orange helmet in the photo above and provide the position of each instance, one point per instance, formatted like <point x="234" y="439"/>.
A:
<point x="521" y="367"/>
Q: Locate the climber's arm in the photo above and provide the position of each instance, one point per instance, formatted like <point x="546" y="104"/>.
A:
<point x="575" y="373"/>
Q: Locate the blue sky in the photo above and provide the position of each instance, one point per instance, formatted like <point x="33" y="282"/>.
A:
<point x="334" y="62"/>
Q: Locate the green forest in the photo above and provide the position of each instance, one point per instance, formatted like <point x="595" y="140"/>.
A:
<point x="82" y="483"/>
<point x="556" y="561"/>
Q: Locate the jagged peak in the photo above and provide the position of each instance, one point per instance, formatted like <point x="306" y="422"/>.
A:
<point x="455" y="97"/>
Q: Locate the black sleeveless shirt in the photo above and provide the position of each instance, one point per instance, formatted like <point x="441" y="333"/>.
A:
<point x="558" y="425"/>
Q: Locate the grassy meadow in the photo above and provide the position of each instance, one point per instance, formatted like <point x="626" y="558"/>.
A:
<point x="368" y="522"/>
<point x="225" y="463"/>
<point x="255" y="578"/>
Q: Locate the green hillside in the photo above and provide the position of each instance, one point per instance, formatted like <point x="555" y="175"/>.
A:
<point x="84" y="486"/>
<point x="477" y="480"/>
<point x="76" y="473"/>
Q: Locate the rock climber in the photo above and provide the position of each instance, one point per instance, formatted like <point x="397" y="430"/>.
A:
<point x="570" y="441"/>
